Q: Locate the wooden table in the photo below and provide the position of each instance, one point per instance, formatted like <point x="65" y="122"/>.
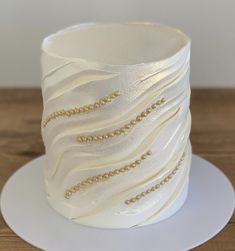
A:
<point x="213" y="138"/>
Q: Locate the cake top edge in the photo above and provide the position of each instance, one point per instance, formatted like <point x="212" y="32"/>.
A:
<point x="116" y="44"/>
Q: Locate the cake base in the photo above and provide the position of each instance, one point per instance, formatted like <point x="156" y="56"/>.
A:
<point x="208" y="208"/>
<point x="169" y="211"/>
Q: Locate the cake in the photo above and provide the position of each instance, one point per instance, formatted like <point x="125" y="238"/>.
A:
<point x="116" y="123"/>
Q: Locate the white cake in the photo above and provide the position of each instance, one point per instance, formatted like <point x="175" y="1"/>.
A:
<point x="116" y="122"/>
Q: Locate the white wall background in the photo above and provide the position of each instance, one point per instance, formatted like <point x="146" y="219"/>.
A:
<point x="209" y="23"/>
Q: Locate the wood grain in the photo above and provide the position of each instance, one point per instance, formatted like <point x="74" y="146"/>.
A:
<point x="213" y="138"/>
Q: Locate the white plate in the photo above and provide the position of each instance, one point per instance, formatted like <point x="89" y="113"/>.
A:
<point x="208" y="208"/>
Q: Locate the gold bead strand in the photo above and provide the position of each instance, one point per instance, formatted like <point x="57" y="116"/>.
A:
<point x="83" y="109"/>
<point x="125" y="128"/>
<point x="157" y="186"/>
<point x="105" y="176"/>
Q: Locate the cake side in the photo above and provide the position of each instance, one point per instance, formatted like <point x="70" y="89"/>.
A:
<point x="117" y="135"/>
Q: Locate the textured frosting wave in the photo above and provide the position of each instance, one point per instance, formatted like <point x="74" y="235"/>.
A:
<point x="76" y="82"/>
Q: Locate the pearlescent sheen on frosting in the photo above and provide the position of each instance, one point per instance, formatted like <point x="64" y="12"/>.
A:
<point x="144" y="63"/>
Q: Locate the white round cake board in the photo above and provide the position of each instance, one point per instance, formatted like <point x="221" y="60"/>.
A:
<point x="208" y="208"/>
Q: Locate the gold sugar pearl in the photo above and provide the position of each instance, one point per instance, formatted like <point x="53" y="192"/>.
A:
<point x="94" y="179"/>
<point x="166" y="179"/>
<point x="68" y="194"/>
<point x="154" y="106"/>
<point x="81" y="110"/>
<point x="149" y="153"/>
<point x="111" y="134"/>
<point x="107" y="100"/>
<point x="139" y="118"/>
<point x="137" y="162"/>
<point x="117" y="93"/>
<point x="148" y="191"/>
<point x="128" y="126"/>
<point x="105" y="176"/>
<point x="133" y="122"/>
<point x="113" y="96"/>
<point x="162" y="182"/>
<point x="122" y="169"/>
<point x="163" y="100"/>
<point x="125" y="128"/>
<point x="127" y="168"/>
<point x="102" y="102"/>
<point x="144" y="114"/>
<point x="102" y="177"/>
<point x="122" y="130"/>
<point x="77" y="187"/>
<point x="144" y="156"/>
<point x="73" y="190"/>
<point x="138" y="197"/>
<point x="78" y="110"/>
<point x="117" y="132"/>
<point x="86" y="108"/>
<point x="89" y="181"/>
<point x="117" y="171"/>
<point x="157" y="186"/>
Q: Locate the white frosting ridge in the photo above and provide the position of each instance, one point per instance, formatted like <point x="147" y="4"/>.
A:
<point x="145" y="62"/>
